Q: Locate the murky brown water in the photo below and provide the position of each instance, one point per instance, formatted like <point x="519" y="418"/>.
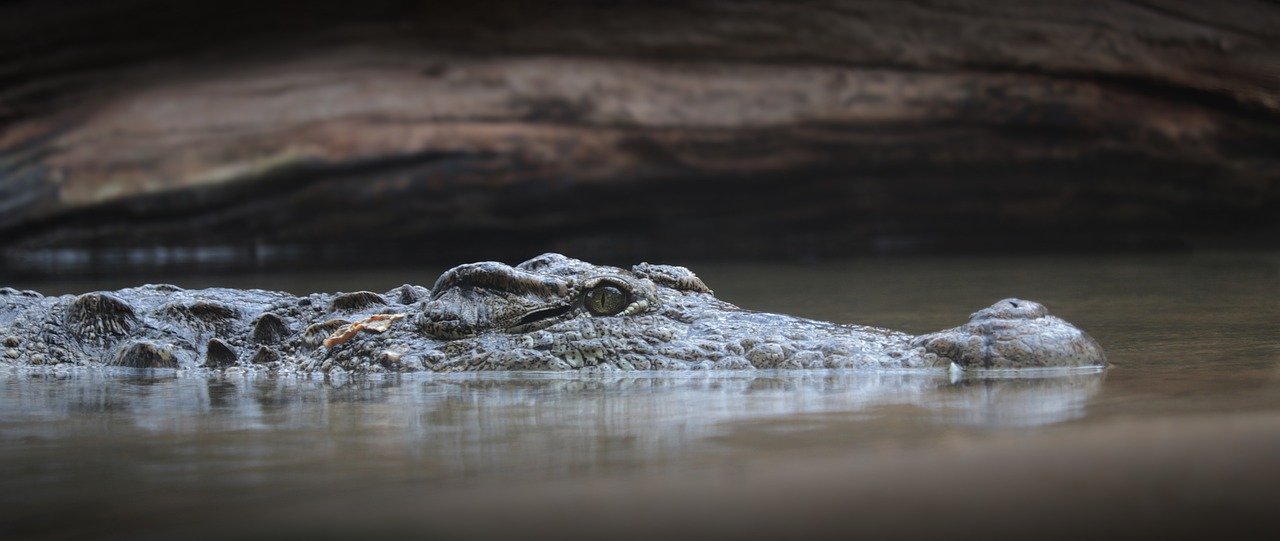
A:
<point x="1181" y="435"/>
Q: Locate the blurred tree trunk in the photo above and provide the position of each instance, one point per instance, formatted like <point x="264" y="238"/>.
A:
<point x="234" y="132"/>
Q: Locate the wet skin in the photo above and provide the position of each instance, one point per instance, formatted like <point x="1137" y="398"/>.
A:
<point x="548" y="313"/>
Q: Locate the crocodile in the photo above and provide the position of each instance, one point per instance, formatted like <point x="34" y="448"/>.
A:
<point x="551" y="312"/>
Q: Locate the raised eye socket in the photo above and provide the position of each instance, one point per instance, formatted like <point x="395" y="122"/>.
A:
<point x="606" y="300"/>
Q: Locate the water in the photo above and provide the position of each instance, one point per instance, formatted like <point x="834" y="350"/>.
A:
<point x="1181" y="435"/>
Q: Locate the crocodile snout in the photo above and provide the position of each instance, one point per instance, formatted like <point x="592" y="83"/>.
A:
<point x="1011" y="309"/>
<point x="1014" y="333"/>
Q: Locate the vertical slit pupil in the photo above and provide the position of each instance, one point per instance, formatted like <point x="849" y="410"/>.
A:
<point x="606" y="300"/>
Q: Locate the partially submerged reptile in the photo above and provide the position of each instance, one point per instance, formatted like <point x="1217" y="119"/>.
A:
<point x="548" y="313"/>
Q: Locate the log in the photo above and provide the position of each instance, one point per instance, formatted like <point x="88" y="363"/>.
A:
<point x="149" y="133"/>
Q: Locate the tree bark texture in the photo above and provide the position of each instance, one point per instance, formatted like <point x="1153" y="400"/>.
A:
<point x="231" y="133"/>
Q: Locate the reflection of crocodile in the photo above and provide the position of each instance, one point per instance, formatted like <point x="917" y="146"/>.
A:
<point x="505" y="412"/>
<point x="550" y="312"/>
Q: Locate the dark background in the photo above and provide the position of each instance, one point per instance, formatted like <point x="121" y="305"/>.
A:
<point x="144" y="135"/>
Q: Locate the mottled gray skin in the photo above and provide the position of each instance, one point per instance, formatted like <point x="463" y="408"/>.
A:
<point x="490" y="316"/>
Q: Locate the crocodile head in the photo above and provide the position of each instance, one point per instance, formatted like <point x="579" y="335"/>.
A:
<point x="554" y="312"/>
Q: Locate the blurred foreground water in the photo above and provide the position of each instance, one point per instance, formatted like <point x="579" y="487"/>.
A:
<point x="1180" y="435"/>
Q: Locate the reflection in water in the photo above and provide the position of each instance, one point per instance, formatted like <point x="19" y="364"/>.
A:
<point x="1193" y="341"/>
<point x="461" y="422"/>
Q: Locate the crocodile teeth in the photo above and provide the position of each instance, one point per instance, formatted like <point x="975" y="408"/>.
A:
<point x="144" y="355"/>
<point x="355" y="301"/>
<point x="102" y="314"/>
<point x="269" y="329"/>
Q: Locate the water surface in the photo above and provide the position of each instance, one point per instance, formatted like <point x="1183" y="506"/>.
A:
<point x="1181" y="432"/>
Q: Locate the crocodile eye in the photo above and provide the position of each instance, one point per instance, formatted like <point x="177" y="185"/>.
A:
<point x="605" y="300"/>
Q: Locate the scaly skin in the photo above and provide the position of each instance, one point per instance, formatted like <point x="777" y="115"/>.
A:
<point x="490" y="316"/>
